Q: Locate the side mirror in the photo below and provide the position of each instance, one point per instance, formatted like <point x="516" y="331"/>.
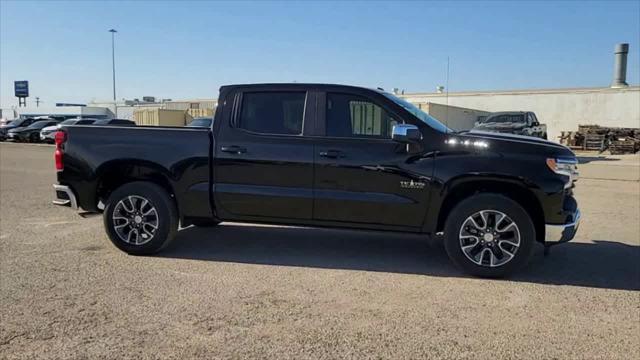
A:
<point x="405" y="133"/>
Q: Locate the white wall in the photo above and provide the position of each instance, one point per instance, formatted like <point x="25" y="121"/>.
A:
<point x="8" y="114"/>
<point x="455" y="117"/>
<point x="86" y="111"/>
<point x="560" y="109"/>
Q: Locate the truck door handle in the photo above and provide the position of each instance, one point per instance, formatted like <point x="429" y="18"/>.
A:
<point x="331" y="154"/>
<point x="233" y="149"/>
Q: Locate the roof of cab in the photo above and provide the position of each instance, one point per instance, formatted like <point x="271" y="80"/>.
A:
<point x="508" y="113"/>
<point x="298" y="85"/>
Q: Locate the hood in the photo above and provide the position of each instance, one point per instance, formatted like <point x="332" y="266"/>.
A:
<point x="510" y="143"/>
<point x="501" y="125"/>
<point x="17" y="129"/>
<point x="8" y="127"/>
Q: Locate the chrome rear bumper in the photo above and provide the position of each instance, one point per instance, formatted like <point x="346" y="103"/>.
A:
<point x="562" y="233"/>
<point x="65" y="196"/>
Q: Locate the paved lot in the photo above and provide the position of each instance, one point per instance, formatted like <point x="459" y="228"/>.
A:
<point x="280" y="292"/>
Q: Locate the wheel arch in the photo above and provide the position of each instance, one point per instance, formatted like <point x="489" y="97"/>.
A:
<point x="462" y="188"/>
<point x="114" y="174"/>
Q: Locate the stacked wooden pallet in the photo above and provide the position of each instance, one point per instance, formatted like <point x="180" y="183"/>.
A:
<point x="593" y="141"/>
<point x="594" y="137"/>
<point x="624" y="146"/>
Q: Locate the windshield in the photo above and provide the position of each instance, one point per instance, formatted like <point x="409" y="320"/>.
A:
<point x="505" y="118"/>
<point x="18" y="123"/>
<point x="204" y="122"/>
<point x="69" y="122"/>
<point x="423" y="116"/>
<point x="39" y="124"/>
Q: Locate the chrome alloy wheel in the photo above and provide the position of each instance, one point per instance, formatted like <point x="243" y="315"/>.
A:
<point x="135" y="220"/>
<point x="489" y="238"/>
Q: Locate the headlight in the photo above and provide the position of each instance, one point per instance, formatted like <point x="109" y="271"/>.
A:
<point x="566" y="167"/>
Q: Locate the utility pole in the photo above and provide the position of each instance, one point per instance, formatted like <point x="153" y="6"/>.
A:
<point x="113" y="62"/>
<point x="447" y="96"/>
<point x="37" y="101"/>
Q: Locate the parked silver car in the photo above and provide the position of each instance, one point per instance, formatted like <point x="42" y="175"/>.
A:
<point x="48" y="134"/>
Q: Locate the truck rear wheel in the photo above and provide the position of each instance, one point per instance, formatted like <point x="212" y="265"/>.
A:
<point x="140" y="218"/>
<point x="489" y="235"/>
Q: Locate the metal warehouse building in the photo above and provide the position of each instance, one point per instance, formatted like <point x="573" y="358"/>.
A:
<point x="560" y="109"/>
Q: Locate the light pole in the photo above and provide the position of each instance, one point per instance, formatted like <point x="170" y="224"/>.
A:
<point x="113" y="62"/>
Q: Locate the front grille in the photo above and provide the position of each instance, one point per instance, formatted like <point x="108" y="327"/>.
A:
<point x="569" y="204"/>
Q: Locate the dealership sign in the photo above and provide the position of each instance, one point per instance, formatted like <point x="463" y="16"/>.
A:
<point x="21" y="88"/>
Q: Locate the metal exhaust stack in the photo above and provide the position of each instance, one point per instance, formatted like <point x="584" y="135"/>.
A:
<point x="620" y="67"/>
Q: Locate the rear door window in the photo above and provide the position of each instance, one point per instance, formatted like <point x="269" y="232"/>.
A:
<point x="272" y="112"/>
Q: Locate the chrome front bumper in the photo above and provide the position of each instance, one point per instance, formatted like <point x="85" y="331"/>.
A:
<point x="65" y="196"/>
<point x="562" y="233"/>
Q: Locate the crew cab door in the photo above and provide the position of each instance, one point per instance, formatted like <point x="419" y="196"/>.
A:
<point x="361" y="175"/>
<point x="263" y="163"/>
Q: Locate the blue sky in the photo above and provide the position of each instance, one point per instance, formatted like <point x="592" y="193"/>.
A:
<point x="173" y="49"/>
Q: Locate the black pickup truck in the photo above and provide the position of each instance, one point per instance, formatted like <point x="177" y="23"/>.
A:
<point x="324" y="155"/>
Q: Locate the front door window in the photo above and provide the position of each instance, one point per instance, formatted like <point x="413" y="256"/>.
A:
<point x="354" y="116"/>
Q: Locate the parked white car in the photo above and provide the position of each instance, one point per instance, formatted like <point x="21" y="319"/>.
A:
<point x="48" y="134"/>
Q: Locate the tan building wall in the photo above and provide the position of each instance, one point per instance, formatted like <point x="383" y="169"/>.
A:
<point x="455" y="117"/>
<point x="160" y="117"/>
<point x="560" y="109"/>
<point x="191" y="104"/>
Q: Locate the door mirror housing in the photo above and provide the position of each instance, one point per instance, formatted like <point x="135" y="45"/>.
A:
<point x="405" y="133"/>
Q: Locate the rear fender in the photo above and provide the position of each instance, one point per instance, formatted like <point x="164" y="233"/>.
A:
<point x="116" y="173"/>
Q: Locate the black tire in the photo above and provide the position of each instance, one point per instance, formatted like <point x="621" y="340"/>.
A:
<point x="166" y="219"/>
<point x="544" y="136"/>
<point x="205" y="223"/>
<point x="34" y="138"/>
<point x="495" y="202"/>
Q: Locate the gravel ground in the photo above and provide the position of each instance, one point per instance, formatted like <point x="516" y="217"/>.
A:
<point x="253" y="291"/>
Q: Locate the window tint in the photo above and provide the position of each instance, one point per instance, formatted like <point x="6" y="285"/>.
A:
<point x="354" y="116"/>
<point x="121" y="122"/>
<point x="39" y="124"/>
<point x="201" y="122"/>
<point x="273" y="112"/>
<point x="518" y="118"/>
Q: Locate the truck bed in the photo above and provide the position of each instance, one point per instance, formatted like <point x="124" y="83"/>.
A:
<point x="95" y="156"/>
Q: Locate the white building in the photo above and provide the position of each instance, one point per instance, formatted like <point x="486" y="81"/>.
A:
<point x="68" y="111"/>
<point x="560" y="109"/>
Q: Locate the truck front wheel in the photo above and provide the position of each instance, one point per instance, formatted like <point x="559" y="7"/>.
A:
<point x="140" y="218"/>
<point x="489" y="235"/>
